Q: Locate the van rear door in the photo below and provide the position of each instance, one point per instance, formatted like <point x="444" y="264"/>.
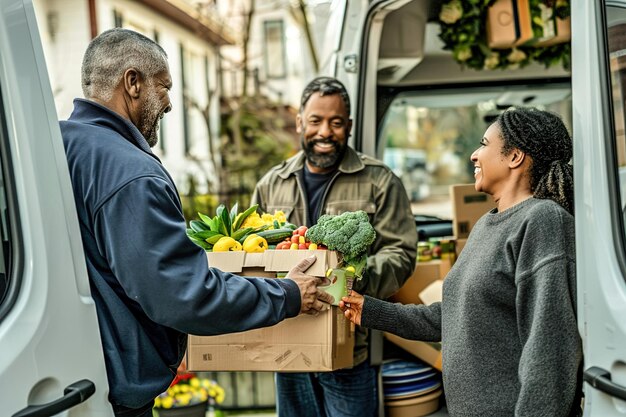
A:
<point x="51" y="359"/>
<point x="599" y="93"/>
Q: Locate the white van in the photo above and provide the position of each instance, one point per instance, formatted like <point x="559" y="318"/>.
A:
<point x="388" y="53"/>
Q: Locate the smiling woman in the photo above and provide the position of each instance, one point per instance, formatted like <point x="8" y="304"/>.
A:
<point x="511" y="295"/>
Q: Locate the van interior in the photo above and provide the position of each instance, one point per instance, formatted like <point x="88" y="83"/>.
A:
<point x="423" y="114"/>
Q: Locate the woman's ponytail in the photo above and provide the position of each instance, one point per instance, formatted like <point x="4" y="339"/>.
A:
<point x="558" y="184"/>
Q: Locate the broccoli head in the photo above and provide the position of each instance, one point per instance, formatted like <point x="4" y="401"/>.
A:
<point x="349" y="233"/>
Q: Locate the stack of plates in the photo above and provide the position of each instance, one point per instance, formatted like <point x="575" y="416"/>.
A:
<point x="410" y="388"/>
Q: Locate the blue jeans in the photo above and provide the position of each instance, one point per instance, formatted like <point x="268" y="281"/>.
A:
<point x="345" y="392"/>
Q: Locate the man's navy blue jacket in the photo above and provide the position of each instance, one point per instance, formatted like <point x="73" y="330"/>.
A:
<point x="150" y="283"/>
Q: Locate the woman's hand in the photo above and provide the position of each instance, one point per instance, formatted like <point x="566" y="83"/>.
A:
<point x="352" y="307"/>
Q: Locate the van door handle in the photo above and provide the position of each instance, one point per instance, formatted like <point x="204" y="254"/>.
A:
<point x="600" y="379"/>
<point x="73" y="394"/>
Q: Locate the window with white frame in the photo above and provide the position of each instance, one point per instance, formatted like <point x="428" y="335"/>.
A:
<point x="274" y="50"/>
<point x="195" y="99"/>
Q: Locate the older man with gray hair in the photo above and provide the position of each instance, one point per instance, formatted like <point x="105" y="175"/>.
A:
<point x="150" y="283"/>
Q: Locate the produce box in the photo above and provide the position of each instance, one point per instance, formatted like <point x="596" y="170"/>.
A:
<point x="276" y="263"/>
<point x="271" y="262"/>
<point x="468" y="205"/>
<point x="301" y="344"/>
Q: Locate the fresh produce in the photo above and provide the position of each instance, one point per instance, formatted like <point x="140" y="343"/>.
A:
<point x="227" y="244"/>
<point x="271" y="220"/>
<point x="207" y="231"/>
<point x="349" y="233"/>
<point x="254" y="244"/>
<point x="276" y="235"/>
<point x="297" y="240"/>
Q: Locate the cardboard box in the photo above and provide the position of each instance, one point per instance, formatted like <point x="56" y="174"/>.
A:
<point x="508" y="24"/>
<point x="500" y="26"/>
<point x="468" y="205"/>
<point x="425" y="273"/>
<point x="433" y="293"/>
<point x="301" y="344"/>
<point x="459" y="245"/>
<point x="563" y="33"/>
<point x="270" y="262"/>
<point x="426" y="351"/>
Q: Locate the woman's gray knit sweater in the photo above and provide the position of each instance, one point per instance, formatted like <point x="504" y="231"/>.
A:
<point x="507" y="321"/>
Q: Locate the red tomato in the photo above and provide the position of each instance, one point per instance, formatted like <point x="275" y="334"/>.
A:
<point x="295" y="239"/>
<point x="302" y="246"/>
<point x="302" y="230"/>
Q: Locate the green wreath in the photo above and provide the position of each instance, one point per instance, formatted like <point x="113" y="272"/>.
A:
<point x="463" y="32"/>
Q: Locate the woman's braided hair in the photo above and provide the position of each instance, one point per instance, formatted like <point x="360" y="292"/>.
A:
<point x="543" y="136"/>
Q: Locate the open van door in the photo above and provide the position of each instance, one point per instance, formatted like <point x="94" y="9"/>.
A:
<point x="599" y="109"/>
<point x="51" y="361"/>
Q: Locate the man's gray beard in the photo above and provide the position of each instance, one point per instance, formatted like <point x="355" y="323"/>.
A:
<point x="151" y="112"/>
<point x="153" y="137"/>
<point x="322" y="161"/>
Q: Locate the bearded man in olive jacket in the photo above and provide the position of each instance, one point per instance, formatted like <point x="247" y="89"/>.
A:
<point x="329" y="177"/>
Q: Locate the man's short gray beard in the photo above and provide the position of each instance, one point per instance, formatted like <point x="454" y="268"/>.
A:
<point x="151" y="107"/>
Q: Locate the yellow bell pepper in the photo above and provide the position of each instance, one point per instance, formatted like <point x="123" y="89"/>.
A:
<point x="226" y="244"/>
<point x="254" y="244"/>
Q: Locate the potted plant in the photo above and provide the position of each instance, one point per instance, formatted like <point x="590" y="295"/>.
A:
<point x="189" y="396"/>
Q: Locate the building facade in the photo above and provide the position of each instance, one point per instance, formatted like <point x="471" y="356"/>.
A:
<point x="191" y="36"/>
<point x="282" y="56"/>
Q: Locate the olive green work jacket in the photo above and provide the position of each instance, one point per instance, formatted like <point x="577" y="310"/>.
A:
<point x="361" y="183"/>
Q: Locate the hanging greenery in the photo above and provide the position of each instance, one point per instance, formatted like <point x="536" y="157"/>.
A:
<point x="464" y="32"/>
